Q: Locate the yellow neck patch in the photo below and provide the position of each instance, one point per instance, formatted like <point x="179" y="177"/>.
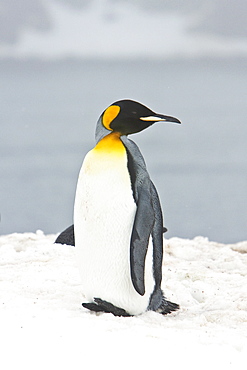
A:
<point x="111" y="144"/>
<point x="109" y="115"/>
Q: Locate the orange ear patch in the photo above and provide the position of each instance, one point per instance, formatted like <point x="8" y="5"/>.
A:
<point x="109" y="115"/>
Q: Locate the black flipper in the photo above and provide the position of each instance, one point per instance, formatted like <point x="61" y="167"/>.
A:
<point x="148" y="221"/>
<point x="67" y="236"/>
<point x="142" y="229"/>
<point x="144" y="222"/>
<point x="144" y="218"/>
<point x="104" y="306"/>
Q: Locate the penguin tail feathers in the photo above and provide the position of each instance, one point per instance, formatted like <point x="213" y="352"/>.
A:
<point x="167" y="307"/>
<point x="66" y="237"/>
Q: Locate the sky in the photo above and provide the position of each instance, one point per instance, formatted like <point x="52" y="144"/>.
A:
<point x="207" y="25"/>
<point x="60" y="30"/>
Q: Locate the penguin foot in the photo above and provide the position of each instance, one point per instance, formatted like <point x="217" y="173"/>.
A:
<point x="167" y="307"/>
<point x="104" y="306"/>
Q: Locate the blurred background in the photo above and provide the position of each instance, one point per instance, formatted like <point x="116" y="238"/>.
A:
<point x="62" y="62"/>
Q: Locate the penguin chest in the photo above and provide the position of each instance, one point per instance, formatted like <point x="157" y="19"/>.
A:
<point x="104" y="195"/>
<point x="103" y="218"/>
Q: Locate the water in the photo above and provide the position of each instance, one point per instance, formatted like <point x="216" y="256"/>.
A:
<point x="48" y="112"/>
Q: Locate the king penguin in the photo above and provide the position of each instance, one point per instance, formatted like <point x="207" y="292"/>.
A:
<point x="118" y="223"/>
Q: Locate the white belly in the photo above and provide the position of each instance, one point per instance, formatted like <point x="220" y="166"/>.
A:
<point x="103" y="219"/>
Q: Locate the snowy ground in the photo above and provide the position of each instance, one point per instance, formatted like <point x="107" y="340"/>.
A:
<point x="44" y="326"/>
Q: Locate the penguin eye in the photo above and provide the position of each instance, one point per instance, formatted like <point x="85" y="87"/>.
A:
<point x="134" y="112"/>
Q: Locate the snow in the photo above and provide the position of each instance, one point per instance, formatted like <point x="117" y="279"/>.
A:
<point x="43" y="324"/>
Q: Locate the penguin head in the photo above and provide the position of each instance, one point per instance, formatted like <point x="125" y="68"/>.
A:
<point x="128" y="117"/>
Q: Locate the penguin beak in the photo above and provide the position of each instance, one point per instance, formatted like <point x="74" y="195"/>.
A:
<point x="159" y="117"/>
